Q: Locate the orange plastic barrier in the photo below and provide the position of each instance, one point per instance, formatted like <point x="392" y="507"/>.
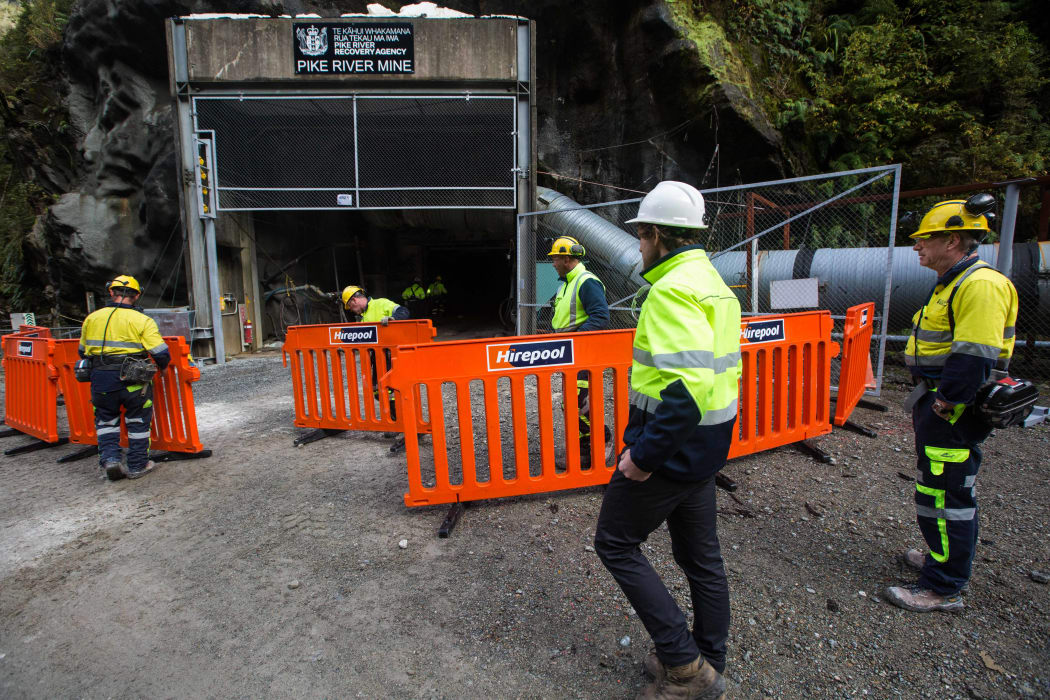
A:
<point x="335" y="380"/>
<point x="856" y="359"/>
<point x="785" y="394"/>
<point x="785" y="382"/>
<point x="422" y="370"/>
<point x="31" y="384"/>
<point x="174" y="426"/>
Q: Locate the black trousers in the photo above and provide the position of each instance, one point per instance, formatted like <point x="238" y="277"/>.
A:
<point x="632" y="510"/>
<point x="138" y="415"/>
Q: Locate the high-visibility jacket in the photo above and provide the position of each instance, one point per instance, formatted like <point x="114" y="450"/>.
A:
<point x="416" y="291"/>
<point x="116" y="331"/>
<point x="686" y="369"/>
<point x="964" y="330"/>
<point x="580" y="304"/>
<point x="379" y="308"/>
<point x="437" y="289"/>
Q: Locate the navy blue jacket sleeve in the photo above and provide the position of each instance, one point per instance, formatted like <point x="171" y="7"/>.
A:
<point x="162" y="358"/>
<point x="400" y="313"/>
<point x="667" y="429"/>
<point x="962" y="376"/>
<point x="592" y="297"/>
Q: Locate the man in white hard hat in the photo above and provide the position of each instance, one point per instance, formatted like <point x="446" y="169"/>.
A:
<point x="684" y="380"/>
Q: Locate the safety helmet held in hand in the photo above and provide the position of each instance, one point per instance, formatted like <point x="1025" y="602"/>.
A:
<point x="567" y="245"/>
<point x="672" y="203"/>
<point x="958" y="215"/>
<point x="349" y="292"/>
<point x="125" y="282"/>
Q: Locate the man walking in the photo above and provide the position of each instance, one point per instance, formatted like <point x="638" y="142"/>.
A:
<point x="579" y="305"/>
<point x="119" y="340"/>
<point x="965" y="329"/>
<point x="683" y="408"/>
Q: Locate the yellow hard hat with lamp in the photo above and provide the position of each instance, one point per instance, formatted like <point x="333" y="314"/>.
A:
<point x="349" y="292"/>
<point x="971" y="215"/>
<point x="125" y="282"/>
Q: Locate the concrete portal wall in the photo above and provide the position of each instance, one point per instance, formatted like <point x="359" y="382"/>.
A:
<point x="261" y="49"/>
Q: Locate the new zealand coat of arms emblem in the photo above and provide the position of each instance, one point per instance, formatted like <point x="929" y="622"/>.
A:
<point x="312" y="41"/>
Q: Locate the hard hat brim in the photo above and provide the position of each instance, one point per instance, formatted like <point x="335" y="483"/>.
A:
<point x="664" y="223"/>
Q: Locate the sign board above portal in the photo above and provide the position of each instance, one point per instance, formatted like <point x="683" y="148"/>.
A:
<point x="388" y="48"/>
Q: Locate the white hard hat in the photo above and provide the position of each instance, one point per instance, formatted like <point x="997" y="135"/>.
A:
<point x="672" y="204"/>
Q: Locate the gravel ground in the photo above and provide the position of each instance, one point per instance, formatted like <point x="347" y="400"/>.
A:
<point x="274" y="571"/>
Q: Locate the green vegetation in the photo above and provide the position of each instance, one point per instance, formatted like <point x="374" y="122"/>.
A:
<point x="957" y="91"/>
<point x="35" y="128"/>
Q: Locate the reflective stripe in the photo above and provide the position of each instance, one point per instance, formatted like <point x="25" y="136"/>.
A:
<point x="988" y="352"/>
<point x="942" y="523"/>
<point x="106" y="431"/>
<point x="687" y="359"/>
<point x="138" y="436"/>
<point x="163" y="347"/>
<point x="947" y="454"/>
<point x="132" y="420"/>
<point x="927" y="360"/>
<point x="934" y="336"/>
<point x="720" y="415"/>
<point x="712" y="417"/>
<point x="946" y="513"/>
<point x="969" y="481"/>
<point x="112" y="421"/>
<point x="92" y="343"/>
<point x="1008" y="332"/>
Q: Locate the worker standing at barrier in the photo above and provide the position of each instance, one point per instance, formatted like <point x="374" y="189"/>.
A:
<point x="381" y="311"/>
<point x="579" y="305"/>
<point x="684" y="379"/>
<point x="124" y="349"/>
<point x="415" y="297"/>
<point x="437" y="294"/>
<point x="963" y="332"/>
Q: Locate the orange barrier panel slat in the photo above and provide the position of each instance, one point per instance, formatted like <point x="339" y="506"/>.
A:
<point x="856" y="359"/>
<point x="31" y="383"/>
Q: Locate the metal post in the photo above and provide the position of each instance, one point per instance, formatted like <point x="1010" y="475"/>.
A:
<point x="524" y="192"/>
<point x="1005" y="260"/>
<point x="213" y="288"/>
<point x="890" y="247"/>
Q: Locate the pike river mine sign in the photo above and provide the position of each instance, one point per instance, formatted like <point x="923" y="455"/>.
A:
<point x="323" y="48"/>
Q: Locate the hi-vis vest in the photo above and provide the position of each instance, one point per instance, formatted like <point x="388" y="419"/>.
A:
<point x="688" y="329"/>
<point x="377" y="309"/>
<point x="120" y="330"/>
<point x="974" y="314"/>
<point x="416" y="291"/>
<point x="569" y="313"/>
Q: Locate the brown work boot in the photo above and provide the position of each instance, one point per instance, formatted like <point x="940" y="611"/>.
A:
<point x="138" y="473"/>
<point x="916" y="559"/>
<point x="693" y="681"/>
<point x="919" y="599"/>
<point x="654" y="668"/>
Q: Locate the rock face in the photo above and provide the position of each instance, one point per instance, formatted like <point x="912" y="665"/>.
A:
<point x="628" y="94"/>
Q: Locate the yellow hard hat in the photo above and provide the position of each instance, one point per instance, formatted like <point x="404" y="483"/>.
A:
<point x="566" y="245"/>
<point x="957" y="215"/>
<point x="125" y="282"/>
<point x="349" y="292"/>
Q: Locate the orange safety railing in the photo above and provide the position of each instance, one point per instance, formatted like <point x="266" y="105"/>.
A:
<point x="338" y="373"/>
<point x="31" y="384"/>
<point x="785" y="381"/>
<point x="174" y="425"/>
<point x="856" y="359"/>
<point x="785" y="393"/>
<point x="423" y="371"/>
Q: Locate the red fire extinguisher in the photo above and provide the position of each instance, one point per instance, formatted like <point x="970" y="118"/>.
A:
<point x="248" y="332"/>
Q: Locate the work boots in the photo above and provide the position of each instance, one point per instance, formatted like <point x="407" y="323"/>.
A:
<point x="697" y="680"/>
<point x="114" y="469"/>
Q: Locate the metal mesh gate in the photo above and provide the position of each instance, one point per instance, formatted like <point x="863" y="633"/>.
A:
<point x="361" y="151"/>
<point x="824" y="241"/>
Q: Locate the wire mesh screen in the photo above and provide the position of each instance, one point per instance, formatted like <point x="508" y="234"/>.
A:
<point x="821" y="242"/>
<point x="361" y="152"/>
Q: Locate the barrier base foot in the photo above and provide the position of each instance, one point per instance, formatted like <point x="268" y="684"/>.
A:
<point x="871" y="405"/>
<point x="179" y="456"/>
<point x="315" y="435"/>
<point x="82" y="453"/>
<point x="451" y="518"/>
<point x="724" y="482"/>
<point x="10" y="432"/>
<point x="808" y="448"/>
<point x="861" y="429"/>
<point x="34" y="446"/>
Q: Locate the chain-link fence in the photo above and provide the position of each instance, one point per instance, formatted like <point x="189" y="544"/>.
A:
<point x="361" y="151"/>
<point x="820" y="242"/>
